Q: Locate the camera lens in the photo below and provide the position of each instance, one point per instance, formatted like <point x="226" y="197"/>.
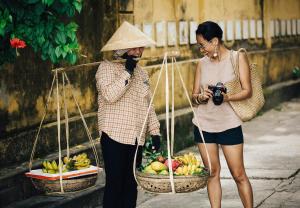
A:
<point x="217" y="97"/>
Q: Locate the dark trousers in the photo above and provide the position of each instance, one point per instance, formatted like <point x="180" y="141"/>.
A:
<point x="120" y="188"/>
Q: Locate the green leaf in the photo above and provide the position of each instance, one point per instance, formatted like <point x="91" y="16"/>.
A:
<point x="66" y="48"/>
<point x="71" y="58"/>
<point x="72" y="26"/>
<point x="48" y="27"/>
<point x="39" y="9"/>
<point x="2" y="32"/>
<point x="60" y="38"/>
<point x="71" y="35"/>
<point x="64" y="54"/>
<point x="71" y="12"/>
<point x="48" y="2"/>
<point x="44" y="56"/>
<point x="53" y="57"/>
<point x="2" y="23"/>
<point x="32" y="1"/>
<point x="78" y="6"/>
<point x="73" y="45"/>
<point x="45" y="47"/>
<point x="41" y="40"/>
<point x="60" y="27"/>
<point x="57" y="52"/>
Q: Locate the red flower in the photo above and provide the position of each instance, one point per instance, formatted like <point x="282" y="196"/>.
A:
<point x="17" y="43"/>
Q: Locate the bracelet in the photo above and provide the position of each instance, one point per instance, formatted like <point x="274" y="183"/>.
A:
<point x="200" y="99"/>
<point x="194" y="101"/>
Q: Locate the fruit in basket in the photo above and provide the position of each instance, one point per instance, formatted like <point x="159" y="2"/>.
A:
<point x="158" y="166"/>
<point x="66" y="160"/>
<point x="179" y="171"/>
<point x="161" y="159"/>
<point x="77" y="162"/>
<point x="49" y="166"/>
<point x="52" y="171"/>
<point x="149" y="169"/>
<point x="182" y="165"/>
<point x="187" y="159"/>
<point x="175" y="164"/>
<point x="52" y="167"/>
<point x="164" y="172"/>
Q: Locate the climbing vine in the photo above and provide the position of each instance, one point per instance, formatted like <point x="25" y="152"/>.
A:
<point x="43" y="25"/>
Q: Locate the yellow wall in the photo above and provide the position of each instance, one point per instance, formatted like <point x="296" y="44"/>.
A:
<point x="284" y="9"/>
<point x="229" y="9"/>
<point x="275" y="65"/>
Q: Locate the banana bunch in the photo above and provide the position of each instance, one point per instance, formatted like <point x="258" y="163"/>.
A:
<point x="52" y="167"/>
<point x="77" y="162"/>
<point x="188" y="170"/>
<point x="188" y="159"/>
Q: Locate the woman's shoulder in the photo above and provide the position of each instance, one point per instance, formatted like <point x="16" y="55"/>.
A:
<point x="203" y="60"/>
<point x="109" y="65"/>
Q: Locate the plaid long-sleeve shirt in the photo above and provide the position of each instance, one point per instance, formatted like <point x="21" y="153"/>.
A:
<point x="123" y="101"/>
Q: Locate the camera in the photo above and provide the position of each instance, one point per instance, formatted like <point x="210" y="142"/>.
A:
<point x="217" y="92"/>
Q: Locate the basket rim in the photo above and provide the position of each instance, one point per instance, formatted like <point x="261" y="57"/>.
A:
<point x="65" y="180"/>
<point x="145" y="175"/>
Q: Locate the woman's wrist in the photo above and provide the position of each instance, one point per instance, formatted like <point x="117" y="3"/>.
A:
<point x="201" y="99"/>
<point x="227" y="97"/>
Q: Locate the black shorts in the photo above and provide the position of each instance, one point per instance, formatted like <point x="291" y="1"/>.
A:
<point x="229" y="137"/>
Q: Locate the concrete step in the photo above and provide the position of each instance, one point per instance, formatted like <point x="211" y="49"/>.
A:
<point x="88" y="198"/>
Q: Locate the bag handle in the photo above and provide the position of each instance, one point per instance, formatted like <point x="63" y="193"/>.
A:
<point x="236" y="66"/>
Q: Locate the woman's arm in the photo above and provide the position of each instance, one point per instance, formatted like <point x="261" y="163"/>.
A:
<point x="245" y="79"/>
<point x="112" y="87"/>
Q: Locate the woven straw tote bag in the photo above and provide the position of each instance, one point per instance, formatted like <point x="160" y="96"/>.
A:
<point x="248" y="108"/>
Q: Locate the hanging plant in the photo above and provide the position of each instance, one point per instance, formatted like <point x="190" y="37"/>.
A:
<point x="43" y="25"/>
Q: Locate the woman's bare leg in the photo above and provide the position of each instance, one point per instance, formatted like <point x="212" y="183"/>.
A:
<point x="214" y="185"/>
<point x="235" y="162"/>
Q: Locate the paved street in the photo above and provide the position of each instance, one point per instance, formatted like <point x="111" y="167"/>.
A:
<point x="272" y="160"/>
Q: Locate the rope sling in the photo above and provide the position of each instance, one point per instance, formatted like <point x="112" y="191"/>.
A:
<point x="58" y="107"/>
<point x="170" y="143"/>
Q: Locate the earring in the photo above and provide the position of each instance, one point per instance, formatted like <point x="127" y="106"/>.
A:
<point x="215" y="54"/>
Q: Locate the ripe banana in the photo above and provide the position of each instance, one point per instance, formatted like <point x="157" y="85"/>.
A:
<point x="54" y="165"/>
<point x="49" y="166"/>
<point x="45" y="164"/>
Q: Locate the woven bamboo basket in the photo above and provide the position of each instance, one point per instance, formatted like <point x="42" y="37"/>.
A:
<point x="69" y="185"/>
<point x="162" y="184"/>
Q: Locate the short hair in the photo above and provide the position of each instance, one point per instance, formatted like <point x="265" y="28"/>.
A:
<point x="210" y="30"/>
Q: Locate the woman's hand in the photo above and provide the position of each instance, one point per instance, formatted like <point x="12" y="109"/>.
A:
<point x="225" y="97"/>
<point x="206" y="94"/>
<point x="202" y="98"/>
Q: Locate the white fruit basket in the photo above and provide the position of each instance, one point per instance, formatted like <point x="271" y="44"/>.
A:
<point x="72" y="180"/>
<point x="39" y="174"/>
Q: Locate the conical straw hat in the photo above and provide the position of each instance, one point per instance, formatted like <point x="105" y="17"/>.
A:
<point x="127" y="36"/>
